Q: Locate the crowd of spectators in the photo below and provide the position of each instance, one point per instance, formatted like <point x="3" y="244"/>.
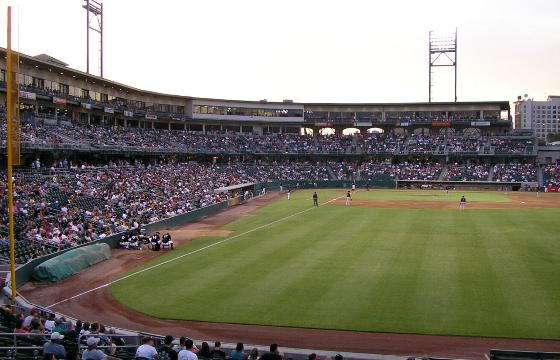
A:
<point x="343" y="170"/>
<point x="467" y="172"/>
<point x="515" y="172"/>
<point x="458" y="144"/>
<point x="373" y="143"/>
<point x="43" y="335"/>
<point x="425" y="143"/>
<point x="402" y="171"/>
<point x="511" y="146"/>
<point x="551" y="175"/>
<point x="138" y="139"/>
<point x="56" y="208"/>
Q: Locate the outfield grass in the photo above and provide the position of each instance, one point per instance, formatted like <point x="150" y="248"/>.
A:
<point x="480" y="272"/>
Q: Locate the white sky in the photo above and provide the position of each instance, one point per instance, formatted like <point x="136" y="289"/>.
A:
<point x="320" y="51"/>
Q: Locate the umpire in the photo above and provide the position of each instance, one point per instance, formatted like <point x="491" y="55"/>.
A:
<point x="315" y="199"/>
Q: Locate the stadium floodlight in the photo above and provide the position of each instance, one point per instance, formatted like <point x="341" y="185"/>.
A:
<point x="94" y="9"/>
<point x="442" y="52"/>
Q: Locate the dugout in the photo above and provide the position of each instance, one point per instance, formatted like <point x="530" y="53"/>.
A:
<point x="238" y="192"/>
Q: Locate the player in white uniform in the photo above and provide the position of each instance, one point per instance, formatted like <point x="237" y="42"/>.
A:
<point x="348" y="198"/>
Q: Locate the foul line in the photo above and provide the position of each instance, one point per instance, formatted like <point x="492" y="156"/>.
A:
<point x="187" y="254"/>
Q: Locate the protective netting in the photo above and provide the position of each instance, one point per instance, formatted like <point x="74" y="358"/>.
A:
<point x="70" y="263"/>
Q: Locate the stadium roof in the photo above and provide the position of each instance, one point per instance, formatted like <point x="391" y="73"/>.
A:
<point x="51" y="63"/>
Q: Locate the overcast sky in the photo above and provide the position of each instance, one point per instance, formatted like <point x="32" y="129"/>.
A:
<point x="320" y="51"/>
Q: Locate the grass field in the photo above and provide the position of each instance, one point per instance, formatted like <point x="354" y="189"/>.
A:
<point x="480" y="272"/>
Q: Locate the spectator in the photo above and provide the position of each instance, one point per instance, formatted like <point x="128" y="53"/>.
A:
<point x="273" y="354"/>
<point x="19" y="327"/>
<point x="204" y="352"/>
<point x="254" y="355"/>
<point x="93" y="353"/>
<point x="147" y="349"/>
<point x="53" y="347"/>
<point x="238" y="354"/>
<point x="166" y="351"/>
<point x="217" y="351"/>
<point x="189" y="353"/>
<point x="180" y="345"/>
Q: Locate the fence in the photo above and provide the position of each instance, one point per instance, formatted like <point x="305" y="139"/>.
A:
<point x="464" y="185"/>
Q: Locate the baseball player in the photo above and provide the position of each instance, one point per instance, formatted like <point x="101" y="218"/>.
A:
<point x="289" y="193"/>
<point x="315" y="199"/>
<point x="462" y="203"/>
<point x="348" y="198"/>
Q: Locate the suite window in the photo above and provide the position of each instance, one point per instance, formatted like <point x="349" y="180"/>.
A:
<point x="64" y="89"/>
<point x="38" y="83"/>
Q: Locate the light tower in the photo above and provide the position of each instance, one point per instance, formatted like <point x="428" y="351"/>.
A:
<point x="442" y="52"/>
<point x="94" y="9"/>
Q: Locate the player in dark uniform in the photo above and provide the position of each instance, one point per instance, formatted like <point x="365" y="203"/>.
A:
<point x="315" y="199"/>
<point x="462" y="203"/>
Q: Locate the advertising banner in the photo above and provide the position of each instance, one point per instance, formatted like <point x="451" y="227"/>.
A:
<point x="27" y="95"/>
<point x="59" y="101"/>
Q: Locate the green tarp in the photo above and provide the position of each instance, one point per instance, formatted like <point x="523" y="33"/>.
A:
<point x="71" y="262"/>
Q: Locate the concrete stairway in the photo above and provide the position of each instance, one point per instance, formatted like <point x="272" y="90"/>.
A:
<point x="490" y="174"/>
<point x="540" y="176"/>
<point x="443" y="173"/>
<point x="332" y="175"/>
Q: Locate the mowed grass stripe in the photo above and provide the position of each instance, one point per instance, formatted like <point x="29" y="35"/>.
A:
<point x="260" y="246"/>
<point x="483" y="272"/>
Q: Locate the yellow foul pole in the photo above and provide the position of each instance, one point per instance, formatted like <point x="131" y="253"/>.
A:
<point x="9" y="119"/>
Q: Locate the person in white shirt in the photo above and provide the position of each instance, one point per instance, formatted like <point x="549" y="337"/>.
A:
<point x="49" y="324"/>
<point x="147" y="349"/>
<point x="190" y="351"/>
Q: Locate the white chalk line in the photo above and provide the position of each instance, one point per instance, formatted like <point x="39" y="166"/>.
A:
<point x="187" y="254"/>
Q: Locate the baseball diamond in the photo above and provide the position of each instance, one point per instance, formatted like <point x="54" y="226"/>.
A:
<point x="144" y="220"/>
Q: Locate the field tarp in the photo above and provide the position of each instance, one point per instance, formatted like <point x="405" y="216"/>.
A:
<point x="71" y="262"/>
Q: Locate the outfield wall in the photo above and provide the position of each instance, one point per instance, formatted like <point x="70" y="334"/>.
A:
<point x="466" y="185"/>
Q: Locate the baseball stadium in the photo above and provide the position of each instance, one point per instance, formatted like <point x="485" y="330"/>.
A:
<point x="133" y="220"/>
